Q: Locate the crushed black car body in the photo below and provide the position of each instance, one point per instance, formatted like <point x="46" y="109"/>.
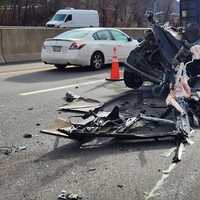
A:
<point x="171" y="63"/>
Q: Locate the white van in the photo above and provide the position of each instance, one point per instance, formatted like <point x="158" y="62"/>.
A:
<point x="74" y="18"/>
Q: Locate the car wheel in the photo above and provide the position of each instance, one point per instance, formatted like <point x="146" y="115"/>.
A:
<point x="132" y="80"/>
<point x="97" y="60"/>
<point x="60" y="67"/>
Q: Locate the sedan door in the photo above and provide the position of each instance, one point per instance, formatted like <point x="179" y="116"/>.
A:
<point x="124" y="43"/>
<point x="105" y="43"/>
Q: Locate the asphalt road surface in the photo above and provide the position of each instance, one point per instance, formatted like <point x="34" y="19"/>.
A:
<point x="30" y="94"/>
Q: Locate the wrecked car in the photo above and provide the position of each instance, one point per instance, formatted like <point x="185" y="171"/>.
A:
<point x="168" y="59"/>
<point x="162" y="49"/>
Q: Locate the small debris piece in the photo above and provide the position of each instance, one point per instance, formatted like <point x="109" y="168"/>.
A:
<point x="31" y="108"/>
<point x="120" y="186"/>
<point x="63" y="195"/>
<point x="27" y="135"/>
<point x="21" y="148"/>
<point x="146" y="194"/>
<point x="38" y="124"/>
<point x="79" y="104"/>
<point x="91" y="169"/>
<point x="68" y="196"/>
<point x="69" y="97"/>
<point x="6" y="150"/>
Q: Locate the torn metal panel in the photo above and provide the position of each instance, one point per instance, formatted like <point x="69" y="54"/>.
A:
<point x="54" y="132"/>
<point x="77" y="103"/>
<point x="80" y="107"/>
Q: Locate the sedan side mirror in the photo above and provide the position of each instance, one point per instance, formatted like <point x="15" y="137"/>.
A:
<point x="129" y="39"/>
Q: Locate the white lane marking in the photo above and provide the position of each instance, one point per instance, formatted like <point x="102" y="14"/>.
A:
<point x="61" y="88"/>
<point x="169" y="152"/>
<point x="153" y="192"/>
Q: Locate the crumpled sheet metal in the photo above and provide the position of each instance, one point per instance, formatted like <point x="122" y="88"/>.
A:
<point x="77" y="103"/>
<point x="110" y="126"/>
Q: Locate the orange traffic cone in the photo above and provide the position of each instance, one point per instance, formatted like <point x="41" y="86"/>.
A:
<point x="115" y="71"/>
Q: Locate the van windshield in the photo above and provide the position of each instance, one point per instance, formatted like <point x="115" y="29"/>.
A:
<point x="74" y="34"/>
<point x="59" y="17"/>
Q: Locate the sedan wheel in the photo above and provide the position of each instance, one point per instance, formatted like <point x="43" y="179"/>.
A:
<point x="132" y="80"/>
<point x="97" y="61"/>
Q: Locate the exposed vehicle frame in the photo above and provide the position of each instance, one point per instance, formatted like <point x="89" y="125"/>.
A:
<point x="172" y="64"/>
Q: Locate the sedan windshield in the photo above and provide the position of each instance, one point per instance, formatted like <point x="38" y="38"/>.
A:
<point x="74" y="34"/>
<point x="59" y="17"/>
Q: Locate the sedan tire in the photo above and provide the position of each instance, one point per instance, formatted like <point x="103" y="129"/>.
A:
<point x="60" y="67"/>
<point x="97" y="61"/>
<point x="132" y="80"/>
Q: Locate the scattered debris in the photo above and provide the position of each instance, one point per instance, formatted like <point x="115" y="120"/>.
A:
<point x="120" y="186"/>
<point x="68" y="196"/>
<point x="38" y="124"/>
<point x="69" y="97"/>
<point x="146" y="194"/>
<point x="174" y="75"/>
<point x="20" y="148"/>
<point x="91" y="169"/>
<point x="79" y="104"/>
<point x="31" y="108"/>
<point x="6" y="150"/>
<point x="27" y="135"/>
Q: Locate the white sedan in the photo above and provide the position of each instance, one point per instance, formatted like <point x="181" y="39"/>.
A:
<point x="87" y="47"/>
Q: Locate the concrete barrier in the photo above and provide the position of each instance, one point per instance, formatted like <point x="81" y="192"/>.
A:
<point x="21" y="44"/>
<point x="2" y="61"/>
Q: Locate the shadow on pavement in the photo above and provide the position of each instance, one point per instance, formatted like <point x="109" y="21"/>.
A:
<point x="72" y="150"/>
<point x="55" y="75"/>
<point x="73" y="157"/>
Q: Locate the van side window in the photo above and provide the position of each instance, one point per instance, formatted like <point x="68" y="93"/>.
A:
<point x="69" y="18"/>
<point x="103" y="35"/>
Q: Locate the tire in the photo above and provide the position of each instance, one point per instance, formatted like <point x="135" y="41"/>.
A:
<point x="97" y="61"/>
<point x="60" y="67"/>
<point x="132" y="80"/>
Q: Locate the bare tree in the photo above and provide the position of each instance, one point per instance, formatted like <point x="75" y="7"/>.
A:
<point x="111" y="12"/>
